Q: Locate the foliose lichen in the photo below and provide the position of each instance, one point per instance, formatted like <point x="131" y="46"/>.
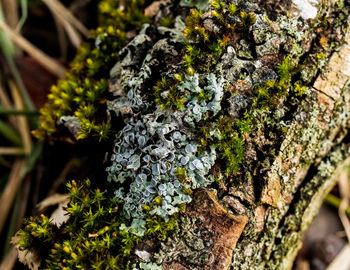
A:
<point x="151" y="148"/>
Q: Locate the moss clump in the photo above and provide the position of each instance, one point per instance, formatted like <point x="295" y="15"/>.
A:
<point x="94" y="237"/>
<point x="167" y="96"/>
<point x="270" y="93"/>
<point x="230" y="145"/>
<point x="82" y="93"/>
<point x="211" y="38"/>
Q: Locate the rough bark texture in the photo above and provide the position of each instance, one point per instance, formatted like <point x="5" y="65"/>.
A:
<point x="255" y="218"/>
<point x="275" y="198"/>
<point x="275" y="205"/>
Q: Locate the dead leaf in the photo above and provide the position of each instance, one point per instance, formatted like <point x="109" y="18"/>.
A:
<point x="29" y="258"/>
<point x="60" y="215"/>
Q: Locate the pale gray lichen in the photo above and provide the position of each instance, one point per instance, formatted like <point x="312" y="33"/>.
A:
<point x="177" y="32"/>
<point x="151" y="147"/>
<point x="196" y="108"/>
<point x="148" y="266"/>
<point x="132" y="54"/>
<point x="200" y="4"/>
<point x="156" y="142"/>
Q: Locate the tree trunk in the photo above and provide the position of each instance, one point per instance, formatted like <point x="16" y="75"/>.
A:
<point x="256" y="217"/>
<point x="246" y="104"/>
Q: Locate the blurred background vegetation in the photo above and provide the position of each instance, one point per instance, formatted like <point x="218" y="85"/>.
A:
<point x="37" y="41"/>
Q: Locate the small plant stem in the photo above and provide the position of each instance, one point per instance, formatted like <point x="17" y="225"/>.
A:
<point x="23" y="125"/>
<point x="9" y="133"/>
<point x="335" y="202"/>
<point x="6" y="105"/>
<point x="12" y="112"/>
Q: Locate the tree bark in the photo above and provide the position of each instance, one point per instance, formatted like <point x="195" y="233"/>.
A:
<point x="255" y="219"/>
<point x="238" y="110"/>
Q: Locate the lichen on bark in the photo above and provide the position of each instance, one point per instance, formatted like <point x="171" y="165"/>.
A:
<point x="228" y="112"/>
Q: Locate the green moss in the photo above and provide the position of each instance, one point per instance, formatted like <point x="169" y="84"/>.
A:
<point x="83" y="91"/>
<point x="247" y="19"/>
<point x="168" y="96"/>
<point x="232" y="8"/>
<point x="181" y="174"/>
<point x="94" y="236"/>
<point x="230" y="145"/>
<point x="166" y="21"/>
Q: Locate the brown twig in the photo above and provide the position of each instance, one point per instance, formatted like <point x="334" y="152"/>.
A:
<point x="46" y="61"/>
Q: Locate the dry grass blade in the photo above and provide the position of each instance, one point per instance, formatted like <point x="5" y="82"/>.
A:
<point x="13" y="183"/>
<point x="73" y="35"/>
<point x="46" y="61"/>
<point x="61" y="11"/>
<point x="10" y="8"/>
<point x="11" y="12"/>
<point x="62" y="40"/>
<point x="23" y="125"/>
<point x="52" y="200"/>
<point x="341" y="262"/>
<point x="10" y="134"/>
<point x="12" y="151"/>
<point x="344" y="188"/>
<point x="9" y="261"/>
<point x="60" y="215"/>
<point x="6" y="103"/>
<point x="4" y="98"/>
